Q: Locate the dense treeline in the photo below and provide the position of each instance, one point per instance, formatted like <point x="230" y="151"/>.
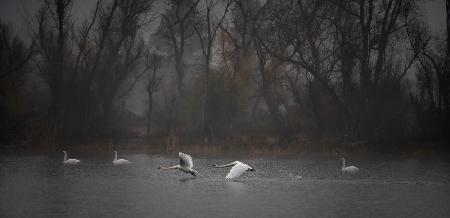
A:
<point x="236" y="73"/>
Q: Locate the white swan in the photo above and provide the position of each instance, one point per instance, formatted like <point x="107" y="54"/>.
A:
<point x="119" y="161"/>
<point x="69" y="161"/>
<point x="236" y="170"/>
<point x="186" y="165"/>
<point x="349" y="169"/>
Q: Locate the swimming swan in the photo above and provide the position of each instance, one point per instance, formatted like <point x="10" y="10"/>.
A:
<point x="119" y="161"/>
<point x="69" y="161"/>
<point x="186" y="165"/>
<point x="236" y="170"/>
<point x="349" y="169"/>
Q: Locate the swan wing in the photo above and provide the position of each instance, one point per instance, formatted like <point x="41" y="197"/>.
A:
<point x="237" y="170"/>
<point x="121" y="161"/>
<point x="185" y="160"/>
<point x="124" y="161"/>
<point x="72" y="161"/>
<point x="351" y="169"/>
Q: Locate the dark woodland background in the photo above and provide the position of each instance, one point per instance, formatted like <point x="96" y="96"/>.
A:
<point x="223" y="75"/>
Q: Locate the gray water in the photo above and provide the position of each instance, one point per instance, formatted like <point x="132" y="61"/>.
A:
<point x="305" y="186"/>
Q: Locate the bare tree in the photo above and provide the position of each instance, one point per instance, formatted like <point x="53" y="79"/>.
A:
<point x="241" y="31"/>
<point x="237" y="39"/>
<point x="54" y="20"/>
<point x="122" y="53"/>
<point x="268" y="69"/>
<point x="304" y="38"/>
<point x="206" y="32"/>
<point x="378" y="21"/>
<point x="15" y="56"/>
<point x="432" y="80"/>
<point x="14" y="53"/>
<point x="95" y="65"/>
<point x="152" y="85"/>
<point x="177" y="26"/>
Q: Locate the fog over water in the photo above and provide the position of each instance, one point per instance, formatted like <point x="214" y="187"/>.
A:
<point x="305" y="186"/>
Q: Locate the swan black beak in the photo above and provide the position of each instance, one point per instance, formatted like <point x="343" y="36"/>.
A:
<point x="252" y="169"/>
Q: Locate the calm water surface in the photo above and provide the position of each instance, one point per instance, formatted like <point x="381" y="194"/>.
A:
<point x="306" y="186"/>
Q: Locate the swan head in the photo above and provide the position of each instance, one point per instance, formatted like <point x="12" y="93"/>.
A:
<point x="115" y="152"/>
<point x="214" y="165"/>
<point x="65" y="152"/>
<point x="251" y="169"/>
<point x="342" y="158"/>
<point x="159" y="167"/>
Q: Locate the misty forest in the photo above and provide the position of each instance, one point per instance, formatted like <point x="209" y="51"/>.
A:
<point x="224" y="108"/>
<point x="213" y="76"/>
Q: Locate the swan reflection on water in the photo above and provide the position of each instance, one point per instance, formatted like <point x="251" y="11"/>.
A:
<point x="235" y="185"/>
<point x="187" y="179"/>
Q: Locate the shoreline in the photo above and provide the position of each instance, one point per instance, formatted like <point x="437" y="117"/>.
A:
<point x="289" y="151"/>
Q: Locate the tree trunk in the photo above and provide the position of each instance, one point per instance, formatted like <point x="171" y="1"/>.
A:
<point x="59" y="83"/>
<point x="149" y="116"/>
<point x="205" y="128"/>
<point x="447" y="75"/>
<point x="180" y="73"/>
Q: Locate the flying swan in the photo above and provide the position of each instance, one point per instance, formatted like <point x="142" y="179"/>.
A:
<point x="186" y="165"/>
<point x="119" y="161"/>
<point x="349" y="169"/>
<point x="69" y="161"/>
<point x="236" y="170"/>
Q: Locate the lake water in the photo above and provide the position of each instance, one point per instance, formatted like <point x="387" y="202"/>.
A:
<point x="304" y="186"/>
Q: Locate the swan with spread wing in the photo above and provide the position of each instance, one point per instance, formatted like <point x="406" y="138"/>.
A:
<point x="186" y="165"/>
<point x="237" y="169"/>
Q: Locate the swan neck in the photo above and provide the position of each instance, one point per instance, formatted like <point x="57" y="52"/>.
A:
<point x="343" y="163"/>
<point x="115" y="155"/>
<point x="65" y="156"/>
<point x="226" y="165"/>
<point x="170" y="168"/>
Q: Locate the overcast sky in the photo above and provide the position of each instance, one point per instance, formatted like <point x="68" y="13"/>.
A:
<point x="14" y="10"/>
